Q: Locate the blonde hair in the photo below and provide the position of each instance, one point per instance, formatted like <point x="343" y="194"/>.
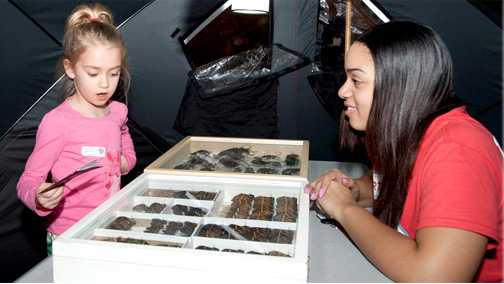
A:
<point x="87" y="25"/>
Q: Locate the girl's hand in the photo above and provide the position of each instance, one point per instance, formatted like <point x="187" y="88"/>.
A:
<point x="317" y="188"/>
<point x="337" y="197"/>
<point x="124" y="164"/>
<point x="48" y="200"/>
<point x="353" y="186"/>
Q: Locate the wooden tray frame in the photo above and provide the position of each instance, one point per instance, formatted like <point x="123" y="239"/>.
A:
<point x="166" y="162"/>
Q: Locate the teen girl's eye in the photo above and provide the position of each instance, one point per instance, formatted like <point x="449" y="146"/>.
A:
<point x="356" y="82"/>
<point x="92" y="74"/>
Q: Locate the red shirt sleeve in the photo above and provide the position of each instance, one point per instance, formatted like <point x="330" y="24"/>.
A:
<point x="459" y="189"/>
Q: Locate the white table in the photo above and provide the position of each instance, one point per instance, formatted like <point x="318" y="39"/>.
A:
<point x="333" y="257"/>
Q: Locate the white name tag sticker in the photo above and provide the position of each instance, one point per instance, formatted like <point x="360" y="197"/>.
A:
<point x="88" y="151"/>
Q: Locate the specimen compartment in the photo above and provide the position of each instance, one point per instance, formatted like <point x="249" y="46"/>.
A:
<point x="249" y="248"/>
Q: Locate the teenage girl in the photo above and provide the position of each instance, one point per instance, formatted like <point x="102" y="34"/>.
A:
<point x="85" y="127"/>
<point x="436" y="188"/>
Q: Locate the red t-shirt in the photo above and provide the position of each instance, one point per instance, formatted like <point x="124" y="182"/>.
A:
<point x="457" y="182"/>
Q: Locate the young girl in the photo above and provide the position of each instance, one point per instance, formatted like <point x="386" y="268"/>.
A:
<point x="85" y="127"/>
<point x="437" y="199"/>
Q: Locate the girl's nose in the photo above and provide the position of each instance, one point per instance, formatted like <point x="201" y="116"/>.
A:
<point x="103" y="82"/>
<point x="343" y="91"/>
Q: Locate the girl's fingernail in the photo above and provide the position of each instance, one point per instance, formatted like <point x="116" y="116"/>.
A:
<point x="321" y="193"/>
<point x="346" y="181"/>
<point x="312" y="196"/>
<point x="306" y="189"/>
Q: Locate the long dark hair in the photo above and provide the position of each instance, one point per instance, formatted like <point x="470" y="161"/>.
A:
<point x="413" y="85"/>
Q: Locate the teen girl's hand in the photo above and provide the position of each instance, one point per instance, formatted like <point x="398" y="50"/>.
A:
<point x="318" y="187"/>
<point x="48" y="200"/>
<point x="336" y="198"/>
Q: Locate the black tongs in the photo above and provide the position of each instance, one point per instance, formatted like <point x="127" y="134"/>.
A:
<point x="87" y="167"/>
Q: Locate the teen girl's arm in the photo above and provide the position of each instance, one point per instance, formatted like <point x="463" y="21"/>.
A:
<point x="439" y="252"/>
<point x="128" y="156"/>
<point x="437" y="255"/>
<point x="50" y="139"/>
<point x="361" y="188"/>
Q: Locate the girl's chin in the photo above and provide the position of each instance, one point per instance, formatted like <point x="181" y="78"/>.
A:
<point x="100" y="104"/>
<point x="358" y="126"/>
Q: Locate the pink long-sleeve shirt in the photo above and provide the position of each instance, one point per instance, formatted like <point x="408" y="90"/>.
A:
<point x="66" y="141"/>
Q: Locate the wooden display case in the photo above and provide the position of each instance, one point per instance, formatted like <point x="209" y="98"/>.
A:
<point x="111" y="243"/>
<point x="240" y="157"/>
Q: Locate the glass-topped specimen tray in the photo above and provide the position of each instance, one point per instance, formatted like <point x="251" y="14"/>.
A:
<point x="192" y="228"/>
<point x="246" y="157"/>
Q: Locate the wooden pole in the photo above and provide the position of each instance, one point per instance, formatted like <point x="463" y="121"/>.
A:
<point x="348" y="25"/>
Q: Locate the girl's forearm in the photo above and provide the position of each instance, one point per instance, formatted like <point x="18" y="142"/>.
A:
<point x="382" y="245"/>
<point x="437" y="254"/>
<point x="366" y="189"/>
